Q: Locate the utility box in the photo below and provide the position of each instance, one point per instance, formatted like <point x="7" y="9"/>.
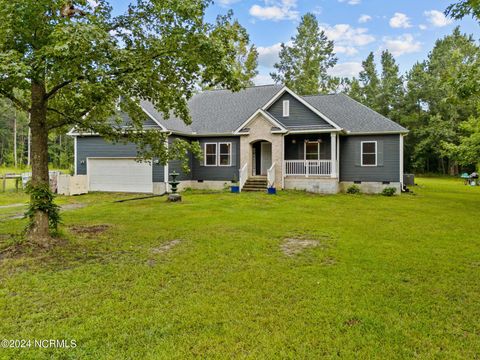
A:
<point x="72" y="185"/>
<point x="408" y="179"/>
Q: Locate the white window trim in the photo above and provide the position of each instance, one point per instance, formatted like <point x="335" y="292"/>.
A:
<point x="229" y="153"/>
<point x="361" y="153"/>
<point x="305" y="150"/>
<point x="205" y="153"/>
<point x="286" y="108"/>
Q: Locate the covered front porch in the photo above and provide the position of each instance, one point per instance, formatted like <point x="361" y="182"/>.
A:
<point x="302" y="161"/>
<point x="311" y="155"/>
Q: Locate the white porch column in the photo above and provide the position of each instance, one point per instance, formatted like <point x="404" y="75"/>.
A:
<point x="333" y="151"/>
<point x="401" y="160"/>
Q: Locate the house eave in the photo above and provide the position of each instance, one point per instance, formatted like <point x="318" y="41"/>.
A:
<point x="404" y="132"/>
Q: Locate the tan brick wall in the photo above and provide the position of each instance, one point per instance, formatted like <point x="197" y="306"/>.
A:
<point x="261" y="129"/>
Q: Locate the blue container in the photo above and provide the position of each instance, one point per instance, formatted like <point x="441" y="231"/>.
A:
<point x="235" y="189"/>
<point x="271" y="191"/>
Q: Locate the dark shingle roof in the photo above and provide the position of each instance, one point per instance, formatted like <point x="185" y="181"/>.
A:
<point x="219" y="111"/>
<point x="352" y="116"/>
<point x="223" y="111"/>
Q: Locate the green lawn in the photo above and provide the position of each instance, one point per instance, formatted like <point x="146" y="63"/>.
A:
<point x="391" y="278"/>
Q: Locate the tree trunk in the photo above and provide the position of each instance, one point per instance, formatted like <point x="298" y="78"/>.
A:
<point x="39" y="231"/>
<point x="15" y="138"/>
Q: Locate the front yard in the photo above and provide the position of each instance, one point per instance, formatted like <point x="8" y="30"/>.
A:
<point x="251" y="275"/>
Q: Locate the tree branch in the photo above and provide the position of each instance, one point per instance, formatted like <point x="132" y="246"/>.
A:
<point x="13" y="99"/>
<point x="56" y="88"/>
<point x="68" y="119"/>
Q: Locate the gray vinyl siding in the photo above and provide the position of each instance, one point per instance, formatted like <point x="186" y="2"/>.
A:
<point x="96" y="146"/>
<point x="388" y="159"/>
<point x="218" y="173"/>
<point x="300" y="115"/>
<point x="176" y="165"/>
<point x="295" y="146"/>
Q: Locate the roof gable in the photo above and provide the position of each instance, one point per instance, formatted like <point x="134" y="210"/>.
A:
<point x="277" y="127"/>
<point x="300" y="117"/>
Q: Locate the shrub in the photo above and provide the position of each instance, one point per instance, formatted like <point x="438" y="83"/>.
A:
<point x="353" y="189"/>
<point x="389" y="191"/>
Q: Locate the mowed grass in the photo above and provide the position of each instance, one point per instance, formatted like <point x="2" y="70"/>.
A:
<point x="392" y="278"/>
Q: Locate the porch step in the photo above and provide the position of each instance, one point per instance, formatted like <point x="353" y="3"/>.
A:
<point x="257" y="183"/>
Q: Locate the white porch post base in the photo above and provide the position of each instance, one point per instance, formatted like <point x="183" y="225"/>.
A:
<point x="333" y="151"/>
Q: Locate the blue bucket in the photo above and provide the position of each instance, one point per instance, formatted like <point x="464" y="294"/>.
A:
<point x="271" y="191"/>
<point x="235" y="189"/>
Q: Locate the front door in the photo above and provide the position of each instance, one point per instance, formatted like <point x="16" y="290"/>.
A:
<point x="266" y="157"/>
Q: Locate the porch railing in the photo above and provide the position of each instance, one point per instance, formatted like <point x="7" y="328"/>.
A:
<point x="308" y="167"/>
<point x="271" y="176"/>
<point x="243" y="175"/>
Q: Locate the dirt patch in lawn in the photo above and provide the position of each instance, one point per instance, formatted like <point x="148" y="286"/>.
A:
<point x="166" y="247"/>
<point x="293" y="246"/>
<point x="352" y="322"/>
<point x="89" y="231"/>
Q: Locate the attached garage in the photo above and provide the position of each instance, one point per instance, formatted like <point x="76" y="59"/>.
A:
<point x="119" y="175"/>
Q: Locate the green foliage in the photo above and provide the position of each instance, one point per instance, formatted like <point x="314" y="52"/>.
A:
<point x="353" y="189"/>
<point x="467" y="151"/>
<point x="85" y="62"/>
<point x="42" y="199"/>
<point x="463" y="8"/>
<point x="389" y="191"/>
<point x="436" y="105"/>
<point x="382" y="94"/>
<point x="303" y="64"/>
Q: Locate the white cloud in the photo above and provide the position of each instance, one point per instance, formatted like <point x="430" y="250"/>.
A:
<point x="262" y="79"/>
<point x="400" y="20"/>
<point x="267" y="56"/>
<point x="348" y="69"/>
<point x="403" y="44"/>
<point x="347" y="50"/>
<point x="227" y="2"/>
<point x="364" y="18"/>
<point x="276" y="10"/>
<point x="347" y="35"/>
<point x="351" y="2"/>
<point x="93" y="3"/>
<point x="422" y="27"/>
<point x="437" y="18"/>
<point x="347" y="38"/>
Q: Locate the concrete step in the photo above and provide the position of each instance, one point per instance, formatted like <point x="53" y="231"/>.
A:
<point x="254" y="189"/>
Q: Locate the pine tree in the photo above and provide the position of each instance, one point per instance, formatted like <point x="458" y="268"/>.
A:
<point x="303" y="65"/>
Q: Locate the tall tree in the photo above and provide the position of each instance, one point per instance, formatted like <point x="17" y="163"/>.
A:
<point x="368" y="77"/>
<point x="366" y="88"/>
<point x="391" y="88"/>
<point x="435" y="107"/>
<point x="303" y="65"/>
<point x="73" y="61"/>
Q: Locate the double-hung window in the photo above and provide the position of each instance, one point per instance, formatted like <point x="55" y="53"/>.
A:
<point x="312" y="150"/>
<point x="225" y="154"/>
<point x="210" y="154"/>
<point x="218" y="154"/>
<point x="369" y="153"/>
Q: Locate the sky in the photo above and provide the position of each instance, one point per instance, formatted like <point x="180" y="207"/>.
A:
<point x="407" y="28"/>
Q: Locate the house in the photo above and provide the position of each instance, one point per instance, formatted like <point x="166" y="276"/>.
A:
<point x="263" y="134"/>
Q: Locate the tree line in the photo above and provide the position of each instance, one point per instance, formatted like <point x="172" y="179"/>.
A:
<point x="15" y="141"/>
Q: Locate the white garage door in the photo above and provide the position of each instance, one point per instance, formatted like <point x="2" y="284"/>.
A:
<point x="122" y="175"/>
